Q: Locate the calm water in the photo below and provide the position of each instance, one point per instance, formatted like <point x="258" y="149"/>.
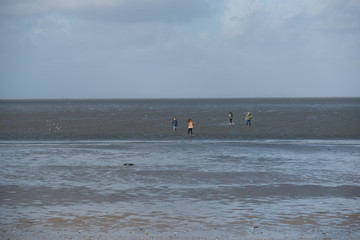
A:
<point x="151" y="119"/>
<point x="294" y="173"/>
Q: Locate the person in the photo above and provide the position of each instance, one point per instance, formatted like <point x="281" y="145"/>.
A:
<point x="248" y="119"/>
<point x="231" y="118"/>
<point x="174" y="124"/>
<point x="190" y="126"/>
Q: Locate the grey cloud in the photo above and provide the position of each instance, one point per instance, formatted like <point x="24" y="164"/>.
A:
<point x="126" y="11"/>
<point x="160" y="11"/>
<point x="252" y="48"/>
<point x="263" y="17"/>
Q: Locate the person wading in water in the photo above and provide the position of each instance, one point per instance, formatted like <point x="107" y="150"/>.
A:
<point x="190" y="126"/>
<point x="174" y="124"/>
<point x="231" y="118"/>
<point x="248" y="118"/>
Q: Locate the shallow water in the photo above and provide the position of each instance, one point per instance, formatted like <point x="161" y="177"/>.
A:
<point x="196" y="186"/>
<point x="210" y="185"/>
<point x="151" y="119"/>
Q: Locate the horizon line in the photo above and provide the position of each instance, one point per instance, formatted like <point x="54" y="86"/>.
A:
<point x="169" y="98"/>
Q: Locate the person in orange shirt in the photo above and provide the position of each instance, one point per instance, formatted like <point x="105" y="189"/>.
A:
<point x="190" y="126"/>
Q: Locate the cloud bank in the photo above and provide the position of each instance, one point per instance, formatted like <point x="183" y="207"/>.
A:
<point x="170" y="48"/>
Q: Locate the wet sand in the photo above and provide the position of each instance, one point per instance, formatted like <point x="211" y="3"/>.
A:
<point x="155" y="226"/>
<point x="113" y="169"/>
<point x="196" y="190"/>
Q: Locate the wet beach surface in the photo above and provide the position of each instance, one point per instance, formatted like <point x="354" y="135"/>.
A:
<point x="187" y="189"/>
<point x="113" y="169"/>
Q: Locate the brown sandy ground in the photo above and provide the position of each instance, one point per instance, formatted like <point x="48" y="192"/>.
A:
<point x="132" y="226"/>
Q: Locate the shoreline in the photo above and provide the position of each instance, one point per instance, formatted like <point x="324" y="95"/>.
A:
<point x="132" y="226"/>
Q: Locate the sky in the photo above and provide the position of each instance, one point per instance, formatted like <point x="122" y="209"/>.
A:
<point x="179" y="48"/>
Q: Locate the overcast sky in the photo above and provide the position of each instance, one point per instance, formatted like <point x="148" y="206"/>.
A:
<point x="179" y="48"/>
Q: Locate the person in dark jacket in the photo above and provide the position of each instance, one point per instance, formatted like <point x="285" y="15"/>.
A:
<point x="231" y="118"/>
<point x="174" y="124"/>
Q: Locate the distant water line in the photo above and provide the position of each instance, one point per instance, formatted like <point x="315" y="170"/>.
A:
<point x="329" y="118"/>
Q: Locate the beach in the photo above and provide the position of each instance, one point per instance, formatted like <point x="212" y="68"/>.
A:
<point x="114" y="169"/>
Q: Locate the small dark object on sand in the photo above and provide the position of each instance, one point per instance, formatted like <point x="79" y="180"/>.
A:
<point x="128" y="164"/>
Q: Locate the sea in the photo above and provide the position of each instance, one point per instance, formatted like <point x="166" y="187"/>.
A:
<point x="115" y="169"/>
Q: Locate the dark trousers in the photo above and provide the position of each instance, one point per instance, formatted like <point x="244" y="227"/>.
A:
<point x="190" y="131"/>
